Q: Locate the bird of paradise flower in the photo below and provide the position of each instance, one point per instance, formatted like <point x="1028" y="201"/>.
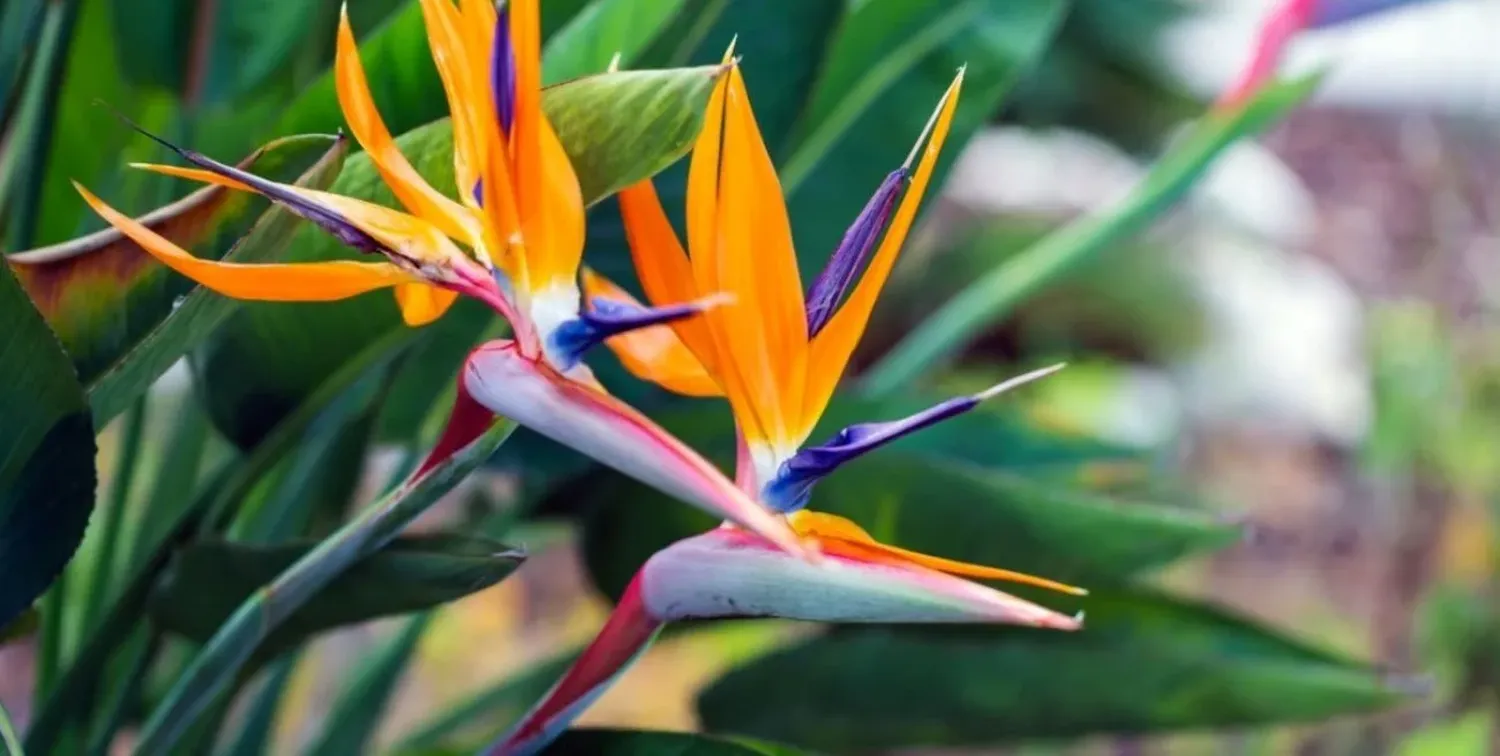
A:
<point x="777" y="359"/>
<point x="519" y="214"/>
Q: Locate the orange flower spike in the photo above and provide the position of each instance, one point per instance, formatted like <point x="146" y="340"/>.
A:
<point x="766" y="330"/>
<point x="839" y="536"/>
<point x="370" y="131"/>
<point x="294" y="282"/>
<point x="831" y="348"/>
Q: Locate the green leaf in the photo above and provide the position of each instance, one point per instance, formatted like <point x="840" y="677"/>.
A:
<point x="260" y="716"/>
<point x="209" y="53"/>
<point x="619" y="128"/>
<point x="1143" y="663"/>
<point x="886" y="69"/>
<point x="352" y="722"/>
<point x="269" y="355"/>
<point x="237" y="640"/>
<point x="483" y="716"/>
<point x="123" y="317"/>
<point x="603" y="29"/>
<point x="209" y="579"/>
<point x="648" y="743"/>
<point x="987" y="517"/>
<point x="993" y="295"/>
<point x="46" y="454"/>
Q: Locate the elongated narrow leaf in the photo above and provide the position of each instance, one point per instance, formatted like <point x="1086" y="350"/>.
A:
<point x="221" y="495"/>
<point x="46" y="454"/>
<point x="122" y="316"/>
<point x="602" y="30"/>
<point x="886" y="67"/>
<point x="259" y="723"/>
<point x="1169" y="665"/>
<point x="263" y="613"/>
<point x="993" y="295"/>
<point x="266" y="358"/>
<point x="648" y="743"/>
<point x="352" y="723"/>
<point x="482" y="717"/>
<point x="208" y="580"/>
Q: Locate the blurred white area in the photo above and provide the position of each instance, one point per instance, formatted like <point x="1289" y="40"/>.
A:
<point x="1442" y="55"/>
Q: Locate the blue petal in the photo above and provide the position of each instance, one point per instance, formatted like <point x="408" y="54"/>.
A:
<point x="1328" y="13"/>
<point x="794" y="481"/>
<point x="503" y="72"/>
<point x="829" y="287"/>
<point x="571" y="340"/>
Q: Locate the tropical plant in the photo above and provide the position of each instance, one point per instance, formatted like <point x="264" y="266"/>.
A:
<point x="174" y="546"/>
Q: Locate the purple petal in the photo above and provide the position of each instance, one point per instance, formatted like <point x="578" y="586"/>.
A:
<point x="1326" y="13"/>
<point x="326" y="218"/>
<point x="731" y="573"/>
<point x="794" y="481"/>
<point x="503" y="73"/>
<point x="574" y="338"/>
<point x="829" y="287"/>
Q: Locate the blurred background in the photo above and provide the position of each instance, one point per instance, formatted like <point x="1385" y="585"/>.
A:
<point x="1308" y="344"/>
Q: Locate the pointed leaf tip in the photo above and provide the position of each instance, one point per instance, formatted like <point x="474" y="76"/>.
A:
<point x="1019" y="381"/>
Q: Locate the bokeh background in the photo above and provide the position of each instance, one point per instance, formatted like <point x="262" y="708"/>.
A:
<point x="1308" y="344"/>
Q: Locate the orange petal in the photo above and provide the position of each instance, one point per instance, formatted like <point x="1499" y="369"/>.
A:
<point x="764" y="335"/>
<point x="370" y="131"/>
<point x="832" y="347"/>
<point x="554" y="261"/>
<point x="841" y="537"/>
<point x="297" y="282"/>
<point x="450" y="54"/>
<point x="416" y="239"/>
<point x="422" y="303"/>
<point x="662" y="266"/>
<point x="653" y="354"/>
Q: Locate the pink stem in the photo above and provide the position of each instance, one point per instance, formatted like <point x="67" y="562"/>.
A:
<point x="629" y="630"/>
<point x="1291" y="17"/>
<point x="467" y="421"/>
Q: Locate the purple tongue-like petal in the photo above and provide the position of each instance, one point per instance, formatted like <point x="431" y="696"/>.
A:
<point x="326" y="218"/>
<point x="1333" y="12"/>
<point x="572" y="339"/>
<point x="503" y="73"/>
<point x="792" y="486"/>
<point x="830" y="285"/>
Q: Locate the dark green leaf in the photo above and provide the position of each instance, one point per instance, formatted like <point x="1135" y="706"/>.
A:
<point x="259" y="616"/>
<point x="995" y="293"/>
<point x="886" y="70"/>
<point x="208" y="580"/>
<point x="1143" y="663"/>
<point x="648" y="743"/>
<point x="260" y="718"/>
<point x="46" y="454"/>
<point x="483" y="716"/>
<point x="603" y="29"/>
<point x="352" y="722"/>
